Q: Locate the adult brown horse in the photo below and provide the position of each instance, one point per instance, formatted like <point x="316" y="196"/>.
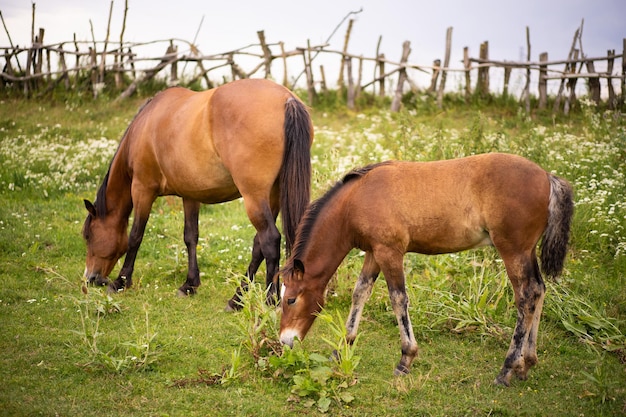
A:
<point x="249" y="138"/>
<point x="436" y="207"/>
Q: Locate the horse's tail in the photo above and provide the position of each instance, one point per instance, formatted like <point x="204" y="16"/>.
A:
<point x="295" y="174"/>
<point x="556" y="235"/>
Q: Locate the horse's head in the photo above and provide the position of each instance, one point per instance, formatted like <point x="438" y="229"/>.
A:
<point x="302" y="297"/>
<point x="106" y="242"/>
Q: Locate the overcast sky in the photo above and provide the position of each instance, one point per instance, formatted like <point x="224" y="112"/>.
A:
<point x="231" y="24"/>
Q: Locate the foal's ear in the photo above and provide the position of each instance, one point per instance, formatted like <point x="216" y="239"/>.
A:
<point x="298" y="266"/>
<point x="90" y="208"/>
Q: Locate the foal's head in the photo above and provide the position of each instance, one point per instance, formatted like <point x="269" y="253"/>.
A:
<point x="302" y="299"/>
<point x="106" y="242"/>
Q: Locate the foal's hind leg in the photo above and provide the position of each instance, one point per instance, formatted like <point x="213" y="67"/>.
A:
<point x="390" y="261"/>
<point x="529" y="292"/>
<point x="362" y="292"/>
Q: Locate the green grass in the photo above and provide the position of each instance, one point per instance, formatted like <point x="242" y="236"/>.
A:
<point x="63" y="352"/>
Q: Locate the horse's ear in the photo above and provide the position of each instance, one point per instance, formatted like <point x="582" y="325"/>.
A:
<point x="298" y="266"/>
<point x="90" y="208"/>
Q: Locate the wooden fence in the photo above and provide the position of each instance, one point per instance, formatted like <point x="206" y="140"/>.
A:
<point x="30" y="69"/>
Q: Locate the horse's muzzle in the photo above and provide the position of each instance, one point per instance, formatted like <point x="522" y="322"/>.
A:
<point x="287" y="337"/>
<point x="96" y="279"/>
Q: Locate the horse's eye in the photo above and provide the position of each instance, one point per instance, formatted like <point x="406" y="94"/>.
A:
<point x="291" y="301"/>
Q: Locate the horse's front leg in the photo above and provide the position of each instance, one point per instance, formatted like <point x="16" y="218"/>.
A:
<point x="362" y="292"/>
<point x="192" y="210"/>
<point x="125" y="277"/>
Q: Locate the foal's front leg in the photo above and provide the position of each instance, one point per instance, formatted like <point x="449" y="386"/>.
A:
<point x="362" y="292"/>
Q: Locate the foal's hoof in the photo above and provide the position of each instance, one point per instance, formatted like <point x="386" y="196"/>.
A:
<point x="503" y="380"/>
<point x="401" y="370"/>
<point x="186" y="291"/>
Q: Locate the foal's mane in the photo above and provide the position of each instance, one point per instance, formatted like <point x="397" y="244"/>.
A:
<point x="101" y="202"/>
<point x="315" y="208"/>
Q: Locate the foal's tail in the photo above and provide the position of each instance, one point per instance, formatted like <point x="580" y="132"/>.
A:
<point x="295" y="174"/>
<point x="556" y="235"/>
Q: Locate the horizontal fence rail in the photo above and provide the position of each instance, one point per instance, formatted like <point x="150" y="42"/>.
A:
<point x="84" y="64"/>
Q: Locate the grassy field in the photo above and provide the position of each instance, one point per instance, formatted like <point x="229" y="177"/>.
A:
<point x="146" y="352"/>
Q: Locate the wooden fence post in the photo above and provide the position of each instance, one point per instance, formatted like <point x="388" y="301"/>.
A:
<point x="571" y="85"/>
<point x="357" y="91"/>
<point x="94" y="74"/>
<point x="594" y="83"/>
<point x="173" y="50"/>
<point x="267" y="54"/>
<point x="570" y="67"/>
<point x="377" y="62"/>
<point x="397" y="98"/>
<point x="340" y="83"/>
<point x="306" y="55"/>
<point x="482" y="84"/>
<point x="435" y="77"/>
<point x="609" y="70"/>
<point x="623" y="100"/>
<point x="323" y="80"/>
<point x="468" y="77"/>
<point x="446" y="64"/>
<point x="38" y="54"/>
<point x="351" y="92"/>
<point x="64" y="75"/>
<point x="381" y="73"/>
<point x="526" y="93"/>
<point x="284" y="57"/>
<point x="507" y="79"/>
<point x="543" y="82"/>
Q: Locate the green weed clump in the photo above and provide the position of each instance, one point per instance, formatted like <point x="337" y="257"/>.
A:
<point x="139" y="354"/>
<point x="316" y="380"/>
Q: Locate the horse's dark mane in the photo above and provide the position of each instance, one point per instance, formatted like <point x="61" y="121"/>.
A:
<point x="101" y="202"/>
<point x="310" y="216"/>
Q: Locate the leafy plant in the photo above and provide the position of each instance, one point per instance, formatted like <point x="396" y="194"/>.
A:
<point x="600" y="383"/>
<point x="582" y="319"/>
<point x="257" y="323"/>
<point x="315" y="379"/>
<point x="134" y="355"/>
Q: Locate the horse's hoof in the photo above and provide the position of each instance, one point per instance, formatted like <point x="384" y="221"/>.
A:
<point x="112" y="289"/>
<point x="401" y="370"/>
<point x="184" y="292"/>
<point x="232" y="306"/>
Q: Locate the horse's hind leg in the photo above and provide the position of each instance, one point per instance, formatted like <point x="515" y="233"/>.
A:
<point x="529" y="292"/>
<point x="266" y="246"/>
<point x="362" y="292"/>
<point x="257" y="258"/>
<point x="192" y="210"/>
